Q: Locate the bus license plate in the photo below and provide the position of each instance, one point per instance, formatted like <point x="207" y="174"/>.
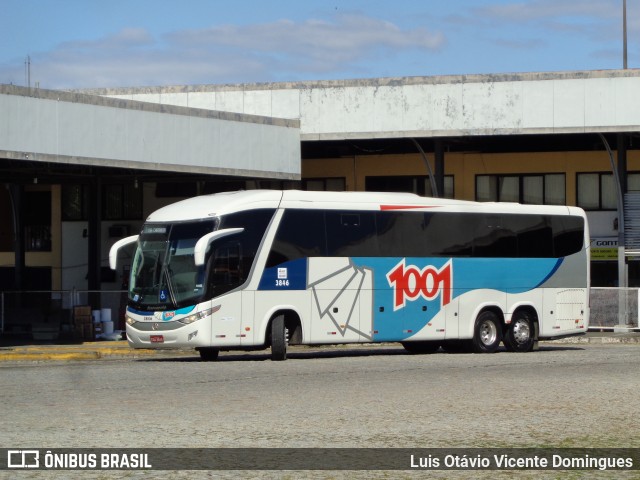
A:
<point x="157" y="338"/>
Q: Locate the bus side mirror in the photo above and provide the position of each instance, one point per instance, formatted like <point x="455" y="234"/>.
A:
<point x="202" y="245"/>
<point x="113" y="253"/>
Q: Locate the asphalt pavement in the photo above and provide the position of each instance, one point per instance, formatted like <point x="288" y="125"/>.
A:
<point x="25" y="350"/>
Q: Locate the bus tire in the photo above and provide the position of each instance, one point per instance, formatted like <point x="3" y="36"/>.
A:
<point x="519" y="335"/>
<point x="208" y="354"/>
<point x="278" y="339"/>
<point x="487" y="333"/>
<point x="421" y="347"/>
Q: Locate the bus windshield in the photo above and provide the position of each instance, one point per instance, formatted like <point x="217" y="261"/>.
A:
<point x="163" y="271"/>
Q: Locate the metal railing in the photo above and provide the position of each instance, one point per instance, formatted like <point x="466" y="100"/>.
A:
<point x="614" y="308"/>
<point x="27" y="312"/>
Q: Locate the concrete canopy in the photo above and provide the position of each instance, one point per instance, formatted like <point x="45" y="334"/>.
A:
<point x="454" y="106"/>
<point x="77" y="129"/>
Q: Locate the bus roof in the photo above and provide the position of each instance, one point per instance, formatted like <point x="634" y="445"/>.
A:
<point x="208" y="206"/>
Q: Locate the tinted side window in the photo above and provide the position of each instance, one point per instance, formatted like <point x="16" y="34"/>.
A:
<point x="401" y="234"/>
<point x="419" y="234"/>
<point x="307" y="233"/>
<point x="568" y="235"/>
<point x="300" y="234"/>
<point x="390" y="228"/>
<point x="534" y="235"/>
<point x="453" y="234"/>
<point x="351" y="234"/>
<point x="495" y="237"/>
<point x="241" y="249"/>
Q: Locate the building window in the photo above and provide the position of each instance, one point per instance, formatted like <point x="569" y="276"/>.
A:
<point x="279" y="184"/>
<point x="37" y="221"/>
<point x="633" y="182"/>
<point x="75" y="202"/>
<point x="596" y="191"/>
<point x="6" y="221"/>
<point x="337" y="184"/>
<point x="177" y="189"/>
<point x="543" y="189"/>
<point x="418" y="184"/>
<point x="119" y="202"/>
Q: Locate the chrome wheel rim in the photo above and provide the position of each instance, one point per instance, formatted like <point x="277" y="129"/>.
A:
<point x="521" y="332"/>
<point x="488" y="333"/>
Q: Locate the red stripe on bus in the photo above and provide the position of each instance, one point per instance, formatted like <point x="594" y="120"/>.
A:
<point x="404" y="207"/>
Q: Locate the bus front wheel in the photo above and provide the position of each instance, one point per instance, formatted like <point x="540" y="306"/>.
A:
<point x="278" y="339"/>
<point x="487" y="334"/>
<point x="519" y="336"/>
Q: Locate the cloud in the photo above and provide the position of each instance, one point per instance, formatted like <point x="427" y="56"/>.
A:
<point x="352" y="33"/>
<point x="312" y="46"/>
<point x="127" y="38"/>
<point x="536" y="10"/>
<point x="591" y="19"/>
<point x="539" y="24"/>
<point x="280" y="50"/>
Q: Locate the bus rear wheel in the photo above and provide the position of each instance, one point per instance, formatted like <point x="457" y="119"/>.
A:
<point x="208" y="354"/>
<point x="487" y="333"/>
<point x="278" y="339"/>
<point x="519" y="334"/>
<point x="421" y="347"/>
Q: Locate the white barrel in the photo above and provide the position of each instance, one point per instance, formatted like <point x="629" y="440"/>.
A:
<point x="107" y="327"/>
<point x="105" y="314"/>
<point x="95" y="315"/>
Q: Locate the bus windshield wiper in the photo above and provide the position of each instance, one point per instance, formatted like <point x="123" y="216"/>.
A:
<point x="166" y="272"/>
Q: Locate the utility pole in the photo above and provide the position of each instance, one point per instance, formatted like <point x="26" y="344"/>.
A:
<point x="624" y="34"/>
<point x="27" y="70"/>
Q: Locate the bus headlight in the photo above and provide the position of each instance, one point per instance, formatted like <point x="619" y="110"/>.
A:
<point x="129" y="320"/>
<point x="196" y="316"/>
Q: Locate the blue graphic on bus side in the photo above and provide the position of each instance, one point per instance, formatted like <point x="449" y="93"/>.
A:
<point x="286" y="276"/>
<point x="410" y="292"/>
<point x="405" y="293"/>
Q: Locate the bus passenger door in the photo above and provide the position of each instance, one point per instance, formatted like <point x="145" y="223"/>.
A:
<point x="247" y="323"/>
<point x="226" y="322"/>
<point x="225" y="275"/>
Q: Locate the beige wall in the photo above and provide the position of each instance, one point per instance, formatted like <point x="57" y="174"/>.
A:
<point x="465" y="166"/>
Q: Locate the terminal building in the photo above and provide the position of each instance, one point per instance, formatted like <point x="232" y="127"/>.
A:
<point x="82" y="169"/>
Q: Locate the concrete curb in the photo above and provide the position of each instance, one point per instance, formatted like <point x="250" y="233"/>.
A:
<point x="121" y="349"/>
<point x="85" y="351"/>
<point x="601" y="339"/>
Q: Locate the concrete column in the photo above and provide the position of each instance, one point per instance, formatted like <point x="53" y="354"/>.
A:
<point x="95" y="214"/>
<point x="621" y="141"/>
<point x="438" y="146"/>
<point x="17" y="199"/>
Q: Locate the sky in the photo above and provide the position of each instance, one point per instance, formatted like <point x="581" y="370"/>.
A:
<point x="69" y="44"/>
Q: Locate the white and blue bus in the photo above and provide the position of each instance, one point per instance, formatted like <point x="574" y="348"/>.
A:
<point x="263" y="268"/>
